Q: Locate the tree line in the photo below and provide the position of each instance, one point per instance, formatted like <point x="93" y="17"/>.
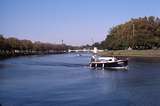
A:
<point x="138" y="33"/>
<point x="14" y="45"/>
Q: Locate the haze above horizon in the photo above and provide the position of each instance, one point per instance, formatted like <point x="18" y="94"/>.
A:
<point x="76" y="22"/>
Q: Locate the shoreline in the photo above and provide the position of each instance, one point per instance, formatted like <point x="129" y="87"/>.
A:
<point x="131" y="53"/>
<point x="5" y="55"/>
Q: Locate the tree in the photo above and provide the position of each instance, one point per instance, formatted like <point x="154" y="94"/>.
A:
<point x="139" y="33"/>
<point x="14" y="43"/>
<point x="26" y="45"/>
<point x="2" y="42"/>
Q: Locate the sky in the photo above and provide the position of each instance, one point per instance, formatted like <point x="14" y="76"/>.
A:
<point x="76" y="22"/>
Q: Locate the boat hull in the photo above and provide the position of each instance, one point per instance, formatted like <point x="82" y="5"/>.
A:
<point x="123" y="64"/>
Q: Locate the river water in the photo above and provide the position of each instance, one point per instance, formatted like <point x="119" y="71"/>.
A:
<point x="66" y="80"/>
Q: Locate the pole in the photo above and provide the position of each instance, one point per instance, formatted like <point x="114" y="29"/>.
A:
<point x="62" y="42"/>
<point x="133" y="29"/>
<point x="133" y="35"/>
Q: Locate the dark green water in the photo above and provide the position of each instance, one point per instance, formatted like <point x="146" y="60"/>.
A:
<point x="65" y="80"/>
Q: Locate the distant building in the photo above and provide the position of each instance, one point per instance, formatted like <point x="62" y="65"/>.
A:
<point x="130" y="48"/>
<point x="95" y="50"/>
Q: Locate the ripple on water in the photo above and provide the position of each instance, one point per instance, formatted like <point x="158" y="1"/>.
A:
<point x="65" y="80"/>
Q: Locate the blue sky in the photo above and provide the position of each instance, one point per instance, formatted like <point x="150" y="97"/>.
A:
<point x="76" y="22"/>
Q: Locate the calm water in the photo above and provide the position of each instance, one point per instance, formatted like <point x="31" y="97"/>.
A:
<point x="65" y="80"/>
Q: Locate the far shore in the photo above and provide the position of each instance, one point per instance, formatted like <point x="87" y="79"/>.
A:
<point x="131" y="53"/>
<point x="4" y="55"/>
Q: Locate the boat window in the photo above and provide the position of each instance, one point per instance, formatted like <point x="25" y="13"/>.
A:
<point x="110" y="59"/>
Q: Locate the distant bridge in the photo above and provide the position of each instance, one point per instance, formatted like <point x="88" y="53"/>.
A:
<point x="85" y="50"/>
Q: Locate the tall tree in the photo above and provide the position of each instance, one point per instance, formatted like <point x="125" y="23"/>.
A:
<point x="139" y="33"/>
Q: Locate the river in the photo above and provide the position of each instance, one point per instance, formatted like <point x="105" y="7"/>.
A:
<point x="66" y="80"/>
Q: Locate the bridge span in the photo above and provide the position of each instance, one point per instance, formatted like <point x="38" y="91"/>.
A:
<point x="95" y="50"/>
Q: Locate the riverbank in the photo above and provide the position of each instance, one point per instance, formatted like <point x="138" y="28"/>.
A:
<point x="4" y="55"/>
<point x="131" y="53"/>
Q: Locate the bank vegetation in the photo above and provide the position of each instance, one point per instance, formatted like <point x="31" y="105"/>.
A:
<point x="139" y="34"/>
<point x="13" y="46"/>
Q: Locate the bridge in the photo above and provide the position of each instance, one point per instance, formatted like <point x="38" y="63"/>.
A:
<point x="95" y="50"/>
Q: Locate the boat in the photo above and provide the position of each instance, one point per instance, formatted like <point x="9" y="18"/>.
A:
<point x="108" y="62"/>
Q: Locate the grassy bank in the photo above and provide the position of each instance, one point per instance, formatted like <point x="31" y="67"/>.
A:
<point x="132" y="53"/>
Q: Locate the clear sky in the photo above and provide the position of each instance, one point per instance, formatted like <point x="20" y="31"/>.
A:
<point x="76" y="22"/>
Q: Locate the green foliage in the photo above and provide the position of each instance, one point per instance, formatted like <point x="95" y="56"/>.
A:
<point x="2" y="41"/>
<point x="12" y="44"/>
<point x="141" y="33"/>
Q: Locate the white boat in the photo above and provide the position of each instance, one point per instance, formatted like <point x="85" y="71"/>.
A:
<point x="108" y="62"/>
